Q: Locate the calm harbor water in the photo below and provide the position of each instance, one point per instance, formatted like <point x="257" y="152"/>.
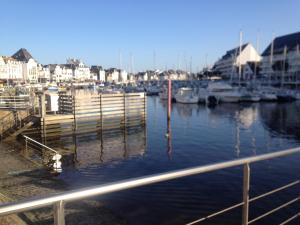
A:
<point x="200" y="136"/>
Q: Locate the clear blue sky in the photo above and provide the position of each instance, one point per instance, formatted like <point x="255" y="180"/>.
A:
<point x="96" y="31"/>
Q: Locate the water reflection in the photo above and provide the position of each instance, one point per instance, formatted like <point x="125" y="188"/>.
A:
<point x="188" y="110"/>
<point x="81" y="150"/>
<point x="244" y="114"/>
<point x="238" y="130"/>
<point x="282" y="119"/>
<point x="169" y="139"/>
<point x="109" y="146"/>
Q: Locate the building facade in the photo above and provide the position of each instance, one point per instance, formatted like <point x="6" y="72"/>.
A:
<point x="43" y="74"/>
<point x="228" y="66"/>
<point x="61" y="73"/>
<point x="11" y="70"/>
<point x="29" y="65"/>
<point x="81" y="72"/>
<point x="281" y="59"/>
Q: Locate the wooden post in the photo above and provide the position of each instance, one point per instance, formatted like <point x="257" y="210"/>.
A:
<point x="169" y="99"/>
<point x="145" y="107"/>
<point x="42" y="105"/>
<point x="101" y="115"/>
<point x="124" y="99"/>
<point x="74" y="113"/>
<point x="42" y="110"/>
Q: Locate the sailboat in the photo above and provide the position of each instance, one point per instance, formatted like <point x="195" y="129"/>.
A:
<point x="246" y="95"/>
<point x="268" y="93"/>
<point x="284" y="95"/>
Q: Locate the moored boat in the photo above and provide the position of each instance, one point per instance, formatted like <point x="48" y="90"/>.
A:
<point x="187" y="96"/>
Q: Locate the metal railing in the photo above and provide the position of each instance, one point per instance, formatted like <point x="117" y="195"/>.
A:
<point x="35" y="145"/>
<point x="15" y="102"/>
<point x="58" y="201"/>
<point x="50" y="156"/>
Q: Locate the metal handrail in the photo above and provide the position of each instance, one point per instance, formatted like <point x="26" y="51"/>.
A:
<point x="59" y="199"/>
<point x="39" y="144"/>
<point x="14" y="102"/>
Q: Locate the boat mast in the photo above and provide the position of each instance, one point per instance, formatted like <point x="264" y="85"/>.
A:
<point x="283" y="66"/>
<point x="234" y="57"/>
<point x="240" y="50"/>
<point x="257" y="49"/>
<point x="154" y="60"/>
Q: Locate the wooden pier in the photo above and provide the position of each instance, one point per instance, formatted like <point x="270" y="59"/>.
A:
<point x="94" y="113"/>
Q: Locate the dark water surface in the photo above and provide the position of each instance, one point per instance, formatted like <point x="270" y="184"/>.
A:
<point x="200" y="136"/>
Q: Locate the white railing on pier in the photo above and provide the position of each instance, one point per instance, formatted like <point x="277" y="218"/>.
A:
<point x="31" y="143"/>
<point x="50" y="156"/>
<point x="15" y="102"/>
<point x="58" y="201"/>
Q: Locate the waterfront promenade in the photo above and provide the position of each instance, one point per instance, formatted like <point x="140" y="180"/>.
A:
<point x="21" y="178"/>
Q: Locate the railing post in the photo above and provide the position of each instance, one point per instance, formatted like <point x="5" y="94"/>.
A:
<point x="246" y="187"/>
<point x="59" y="213"/>
<point x="26" y="144"/>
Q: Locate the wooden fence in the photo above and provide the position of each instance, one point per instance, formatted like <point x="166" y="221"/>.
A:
<point x="95" y="112"/>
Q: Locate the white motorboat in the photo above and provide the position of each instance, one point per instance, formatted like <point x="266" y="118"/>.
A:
<point x="267" y="95"/>
<point x="223" y="92"/>
<point x="187" y="96"/>
<point x="248" y="96"/>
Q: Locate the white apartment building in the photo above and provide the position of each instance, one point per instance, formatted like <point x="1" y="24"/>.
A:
<point x="81" y="72"/>
<point x="61" y="73"/>
<point x="30" y="65"/>
<point x="43" y="74"/>
<point x="281" y="59"/>
<point x="228" y="65"/>
<point x="123" y="76"/>
<point x="98" y="73"/>
<point x="112" y="75"/>
<point x="10" y="69"/>
<point x="102" y="75"/>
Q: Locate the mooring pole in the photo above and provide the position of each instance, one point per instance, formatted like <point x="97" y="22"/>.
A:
<point x="169" y="99"/>
<point x="169" y="109"/>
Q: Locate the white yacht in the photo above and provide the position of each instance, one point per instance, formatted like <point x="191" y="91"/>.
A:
<point x="186" y="95"/>
<point x="223" y="92"/>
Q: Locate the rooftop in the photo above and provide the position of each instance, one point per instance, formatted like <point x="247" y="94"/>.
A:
<point x="22" y="55"/>
<point x="290" y="41"/>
